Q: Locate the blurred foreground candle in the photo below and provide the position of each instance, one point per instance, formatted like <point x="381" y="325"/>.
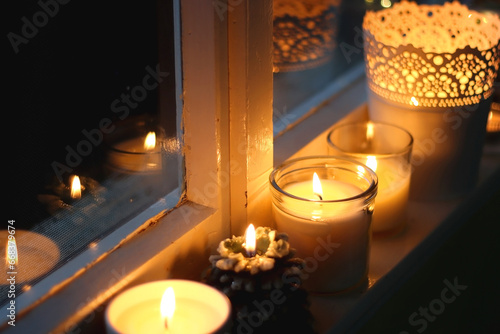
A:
<point x="430" y="69"/>
<point x="168" y="306"/>
<point x="329" y="224"/>
<point x="28" y="255"/>
<point x="386" y="149"/>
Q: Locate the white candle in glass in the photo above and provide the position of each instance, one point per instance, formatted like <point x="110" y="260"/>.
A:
<point x="330" y="229"/>
<point x="386" y="149"/>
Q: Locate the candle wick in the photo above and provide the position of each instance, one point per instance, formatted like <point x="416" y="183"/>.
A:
<point x="166" y="323"/>
<point x="320" y="197"/>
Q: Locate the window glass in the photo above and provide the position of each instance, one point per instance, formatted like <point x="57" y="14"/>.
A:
<point x="90" y="82"/>
<point x="315" y="42"/>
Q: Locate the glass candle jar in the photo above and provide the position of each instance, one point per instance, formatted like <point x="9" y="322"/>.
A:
<point x="386" y="149"/>
<point x="329" y="225"/>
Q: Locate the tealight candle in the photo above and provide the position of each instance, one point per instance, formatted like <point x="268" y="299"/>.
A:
<point x="386" y="149"/>
<point x="140" y="154"/>
<point x="329" y="224"/>
<point x="168" y="306"/>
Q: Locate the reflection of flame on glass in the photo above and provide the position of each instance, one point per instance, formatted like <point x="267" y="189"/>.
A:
<point x="371" y="162"/>
<point x="167" y="306"/>
<point x="76" y="188"/>
<point x="250" y="240"/>
<point x="11" y="257"/>
<point x="150" y="141"/>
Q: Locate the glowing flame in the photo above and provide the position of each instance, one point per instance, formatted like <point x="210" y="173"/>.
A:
<point x="76" y="188"/>
<point x="371" y="162"/>
<point x="150" y="141"/>
<point x="386" y="3"/>
<point x="317" y="189"/>
<point x="11" y="257"/>
<point x="250" y="240"/>
<point x="167" y="306"/>
<point x="369" y="131"/>
<point x="490" y="116"/>
<point x="414" y="101"/>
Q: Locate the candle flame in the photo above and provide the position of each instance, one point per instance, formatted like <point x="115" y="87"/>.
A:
<point x="369" y="130"/>
<point x="250" y="240"/>
<point x="11" y="257"/>
<point x="317" y="189"/>
<point x="167" y="306"/>
<point x="150" y="141"/>
<point x="490" y="115"/>
<point x="414" y="101"/>
<point x="76" y="188"/>
<point x="371" y="162"/>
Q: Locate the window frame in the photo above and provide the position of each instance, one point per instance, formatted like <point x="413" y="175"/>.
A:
<point x="229" y="150"/>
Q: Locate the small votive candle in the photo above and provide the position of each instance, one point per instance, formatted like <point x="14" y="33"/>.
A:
<point x="196" y="308"/>
<point x="386" y="149"/>
<point x="328" y="221"/>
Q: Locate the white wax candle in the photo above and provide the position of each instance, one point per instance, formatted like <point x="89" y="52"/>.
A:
<point x="333" y="240"/>
<point x="199" y="308"/>
<point x="390" y="211"/>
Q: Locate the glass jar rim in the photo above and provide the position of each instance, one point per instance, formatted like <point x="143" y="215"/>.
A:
<point x="371" y="191"/>
<point x="404" y="149"/>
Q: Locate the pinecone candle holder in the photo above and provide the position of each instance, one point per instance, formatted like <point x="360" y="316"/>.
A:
<point x="263" y="282"/>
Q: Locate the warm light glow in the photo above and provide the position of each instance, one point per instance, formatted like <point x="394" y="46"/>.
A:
<point x="167" y="306"/>
<point x="371" y="162"/>
<point x="317" y="189"/>
<point x="490" y="115"/>
<point x="369" y="131"/>
<point x="414" y="101"/>
<point x="11" y="252"/>
<point x="386" y="3"/>
<point x="150" y="141"/>
<point x="76" y="188"/>
<point x="250" y="240"/>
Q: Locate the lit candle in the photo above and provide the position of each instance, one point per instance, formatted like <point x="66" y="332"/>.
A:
<point x="260" y="268"/>
<point x="328" y="223"/>
<point x="168" y="306"/>
<point x="141" y="154"/>
<point x="76" y="188"/>
<point x="386" y="150"/>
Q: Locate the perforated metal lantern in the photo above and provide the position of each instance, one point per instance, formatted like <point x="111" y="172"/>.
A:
<point x="431" y="69"/>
